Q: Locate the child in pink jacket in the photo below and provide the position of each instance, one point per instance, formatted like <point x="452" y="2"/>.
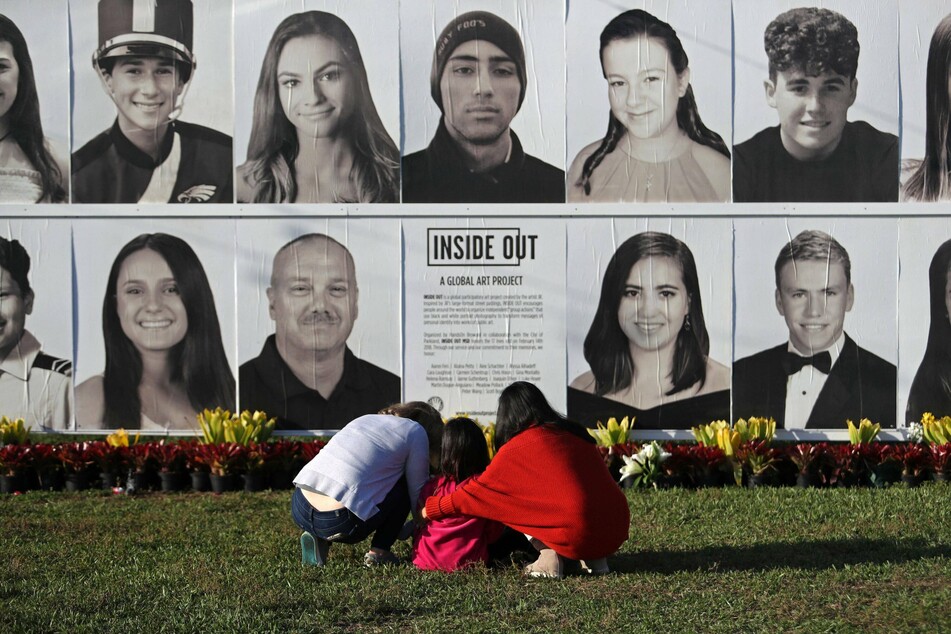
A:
<point x="455" y="542"/>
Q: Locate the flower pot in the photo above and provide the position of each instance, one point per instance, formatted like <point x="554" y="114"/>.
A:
<point x="254" y="481"/>
<point x="910" y="479"/>
<point x="756" y="480"/>
<point x="710" y="479"/>
<point x="222" y="483"/>
<point x="77" y="481"/>
<point x="50" y="480"/>
<point x="9" y="483"/>
<point x="941" y="476"/>
<point x="171" y="481"/>
<point x="200" y="481"/>
<point x="139" y="481"/>
<point x="807" y="480"/>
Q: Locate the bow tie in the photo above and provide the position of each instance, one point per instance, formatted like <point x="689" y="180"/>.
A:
<point x="793" y="363"/>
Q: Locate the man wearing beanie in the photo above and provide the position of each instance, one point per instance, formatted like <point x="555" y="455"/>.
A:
<point x="478" y="81"/>
<point x="33" y="385"/>
<point x="146" y="64"/>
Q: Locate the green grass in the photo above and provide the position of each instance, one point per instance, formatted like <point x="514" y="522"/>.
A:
<point x="727" y="560"/>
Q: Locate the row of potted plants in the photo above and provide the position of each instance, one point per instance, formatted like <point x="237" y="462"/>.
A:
<point x="757" y="462"/>
<point x="165" y="465"/>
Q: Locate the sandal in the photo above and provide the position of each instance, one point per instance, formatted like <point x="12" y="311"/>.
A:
<point x="313" y="550"/>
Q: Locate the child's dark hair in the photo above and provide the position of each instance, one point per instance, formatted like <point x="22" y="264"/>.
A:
<point x="813" y="41"/>
<point x="464" y="449"/>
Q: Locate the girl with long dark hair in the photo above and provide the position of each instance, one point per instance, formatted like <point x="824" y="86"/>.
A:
<point x="648" y="346"/>
<point x="547" y="481"/>
<point x="930" y="178"/>
<point x="656" y="148"/>
<point x="29" y="172"/>
<point x="316" y="135"/>
<point x="931" y="388"/>
<point x="165" y="361"/>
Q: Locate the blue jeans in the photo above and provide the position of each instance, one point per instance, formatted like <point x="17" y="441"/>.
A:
<point x="343" y="526"/>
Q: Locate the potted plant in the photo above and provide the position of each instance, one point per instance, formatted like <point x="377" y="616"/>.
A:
<point x="13" y="432"/>
<point x="76" y="460"/>
<point x="914" y="462"/>
<point x="613" y="442"/>
<point x="110" y="460"/>
<point x="807" y="457"/>
<point x="12" y="461"/>
<point x="706" y="465"/>
<point x="940" y="462"/>
<point x="196" y="466"/>
<point x="758" y="460"/>
<point x="223" y="460"/>
<point x="47" y="467"/>
<point x="170" y="458"/>
<point x="883" y="466"/>
<point x="673" y="470"/>
<point x="257" y="455"/>
<point x="142" y="467"/>
<point x="643" y="468"/>
<point x="280" y="466"/>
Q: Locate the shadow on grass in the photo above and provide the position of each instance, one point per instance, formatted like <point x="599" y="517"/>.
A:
<point x="806" y="555"/>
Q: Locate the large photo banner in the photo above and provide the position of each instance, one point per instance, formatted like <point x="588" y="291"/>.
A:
<point x="484" y="306"/>
<point x="319" y="319"/>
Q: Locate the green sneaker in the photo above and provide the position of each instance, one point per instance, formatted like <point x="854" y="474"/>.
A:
<point x="313" y="550"/>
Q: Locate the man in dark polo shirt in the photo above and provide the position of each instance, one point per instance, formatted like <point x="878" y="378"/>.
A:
<point x="306" y="375"/>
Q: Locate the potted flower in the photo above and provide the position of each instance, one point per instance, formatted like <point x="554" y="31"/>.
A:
<point x="758" y="460"/>
<point x="49" y="472"/>
<point x="706" y="465"/>
<point x="940" y="462"/>
<point x="883" y="466"/>
<point x="613" y="442"/>
<point x="170" y="458"/>
<point x="13" y="432"/>
<point x="257" y="455"/>
<point x="110" y="460"/>
<point x="643" y="468"/>
<point x="196" y="466"/>
<point x="142" y="467"/>
<point x="223" y="460"/>
<point x="914" y="461"/>
<point x="808" y="458"/>
<point x="12" y="461"/>
<point x="76" y="459"/>
<point x="280" y="465"/>
<point x="673" y="469"/>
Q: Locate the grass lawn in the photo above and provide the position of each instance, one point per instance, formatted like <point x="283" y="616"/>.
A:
<point x="724" y="560"/>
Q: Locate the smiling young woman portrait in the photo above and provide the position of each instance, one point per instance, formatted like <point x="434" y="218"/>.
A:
<point x="648" y="347"/>
<point x="165" y="360"/>
<point x="656" y="148"/>
<point x="29" y="171"/>
<point x="316" y="136"/>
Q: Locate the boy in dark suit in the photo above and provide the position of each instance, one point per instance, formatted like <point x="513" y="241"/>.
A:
<point x="820" y="377"/>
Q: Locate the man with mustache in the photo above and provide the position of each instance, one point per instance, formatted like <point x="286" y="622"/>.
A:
<point x="306" y="375"/>
<point x="820" y="378"/>
<point x="478" y="81"/>
<point x="34" y="386"/>
<point x="814" y="154"/>
<point x="146" y="64"/>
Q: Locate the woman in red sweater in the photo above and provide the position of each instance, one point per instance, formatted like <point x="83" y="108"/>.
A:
<point x="547" y="480"/>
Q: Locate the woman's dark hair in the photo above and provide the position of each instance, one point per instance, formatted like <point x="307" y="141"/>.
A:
<point x="198" y="361"/>
<point x="464" y="450"/>
<point x="637" y="23"/>
<point x="273" y="147"/>
<point x="606" y="348"/>
<point x="24" y="117"/>
<point x="523" y="406"/>
<point x="424" y="414"/>
<point x="931" y="389"/>
<point x="932" y="179"/>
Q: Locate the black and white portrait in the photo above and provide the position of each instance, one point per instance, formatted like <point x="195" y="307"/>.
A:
<point x="816" y="101"/>
<point x="156" y="322"/>
<point x="649" y="108"/>
<point x="924" y="328"/>
<point x="816" y="336"/>
<point x="150" y="123"/>
<point x="35" y="303"/>
<point x="650" y="306"/>
<point x="317" y="101"/>
<point x="483" y="101"/>
<point x="926" y="100"/>
<point x="34" y="72"/>
<point x="320" y="321"/>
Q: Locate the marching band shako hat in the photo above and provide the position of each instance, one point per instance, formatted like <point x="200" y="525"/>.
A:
<point x="146" y="28"/>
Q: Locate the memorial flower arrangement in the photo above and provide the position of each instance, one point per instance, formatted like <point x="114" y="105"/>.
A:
<point x="644" y="466"/>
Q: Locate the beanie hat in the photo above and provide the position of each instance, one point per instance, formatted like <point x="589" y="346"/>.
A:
<point x="477" y="25"/>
